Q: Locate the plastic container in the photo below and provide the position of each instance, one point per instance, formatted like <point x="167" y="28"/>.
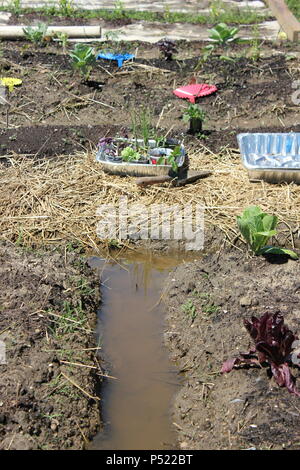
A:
<point x="120" y="58"/>
<point x="274" y="157"/>
<point x="138" y="169"/>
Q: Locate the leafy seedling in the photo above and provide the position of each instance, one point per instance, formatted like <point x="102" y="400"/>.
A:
<point x="82" y="59"/>
<point x="62" y="39"/>
<point x="37" y="34"/>
<point x="195" y="116"/>
<point x="128" y="154"/>
<point x="222" y="36"/>
<point x="273" y="346"/>
<point x="173" y="158"/>
<point x="257" y="228"/>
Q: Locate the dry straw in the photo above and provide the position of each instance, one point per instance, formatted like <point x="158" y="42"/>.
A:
<point x="55" y="200"/>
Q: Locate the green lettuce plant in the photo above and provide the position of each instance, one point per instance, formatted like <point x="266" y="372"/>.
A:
<point x="257" y="227"/>
<point x="221" y="35"/>
<point x="128" y="154"/>
<point x="82" y="59"/>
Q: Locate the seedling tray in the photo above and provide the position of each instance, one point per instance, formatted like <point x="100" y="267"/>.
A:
<point x="137" y="169"/>
<point x="274" y="157"/>
<point x="120" y="58"/>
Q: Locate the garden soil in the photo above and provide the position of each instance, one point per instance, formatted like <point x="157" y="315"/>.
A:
<point x="55" y="112"/>
<point x="244" y="409"/>
<point x="40" y="407"/>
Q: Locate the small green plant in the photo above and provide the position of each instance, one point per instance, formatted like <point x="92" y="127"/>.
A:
<point x="128" y="154"/>
<point x="15" y="7"/>
<point x="62" y="39"/>
<point x="112" y="35"/>
<point x="167" y="13"/>
<point x="66" y="7"/>
<point x="172" y="159"/>
<point x="71" y="318"/>
<point x="141" y="125"/>
<point x="256" y="43"/>
<point x="119" y="10"/>
<point x="36" y="34"/>
<point x="216" y="9"/>
<point x="190" y="309"/>
<point x="82" y="59"/>
<point x="257" y="227"/>
<point x="117" y="46"/>
<point x="113" y="244"/>
<point x="222" y="36"/>
<point x="195" y="116"/>
<point x="210" y="309"/>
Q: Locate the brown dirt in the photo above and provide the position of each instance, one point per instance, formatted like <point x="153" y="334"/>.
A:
<point x="39" y="407"/>
<point x="245" y="408"/>
<point x="52" y="99"/>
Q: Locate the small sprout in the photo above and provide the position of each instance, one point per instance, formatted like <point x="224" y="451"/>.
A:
<point x="221" y="35"/>
<point x="62" y="39"/>
<point x="189" y="309"/>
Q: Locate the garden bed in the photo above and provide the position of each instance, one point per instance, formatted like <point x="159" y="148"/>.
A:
<point x="207" y="302"/>
<point x="54" y="201"/>
<point x="48" y="314"/>
<point x="65" y="114"/>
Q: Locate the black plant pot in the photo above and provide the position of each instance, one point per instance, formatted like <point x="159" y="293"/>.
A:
<point x="195" y="126"/>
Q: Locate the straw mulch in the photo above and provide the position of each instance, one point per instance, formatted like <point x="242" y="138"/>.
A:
<point x="55" y="201"/>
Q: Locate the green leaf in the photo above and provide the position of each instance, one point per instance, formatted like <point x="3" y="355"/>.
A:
<point x="269" y="222"/>
<point x="274" y="250"/>
<point x="252" y="211"/>
<point x="244" y="228"/>
<point x="269" y="234"/>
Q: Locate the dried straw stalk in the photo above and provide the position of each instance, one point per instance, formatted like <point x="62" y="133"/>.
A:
<point x="55" y="200"/>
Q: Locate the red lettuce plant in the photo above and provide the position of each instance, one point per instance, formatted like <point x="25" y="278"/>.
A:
<point x="167" y="47"/>
<point x="273" y="345"/>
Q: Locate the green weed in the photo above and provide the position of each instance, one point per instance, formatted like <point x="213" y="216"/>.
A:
<point x="189" y="309"/>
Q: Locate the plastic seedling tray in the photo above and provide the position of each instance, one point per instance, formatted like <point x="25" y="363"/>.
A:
<point x="120" y="58"/>
<point x="273" y="157"/>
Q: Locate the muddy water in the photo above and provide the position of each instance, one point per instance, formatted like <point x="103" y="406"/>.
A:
<point x="135" y="406"/>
